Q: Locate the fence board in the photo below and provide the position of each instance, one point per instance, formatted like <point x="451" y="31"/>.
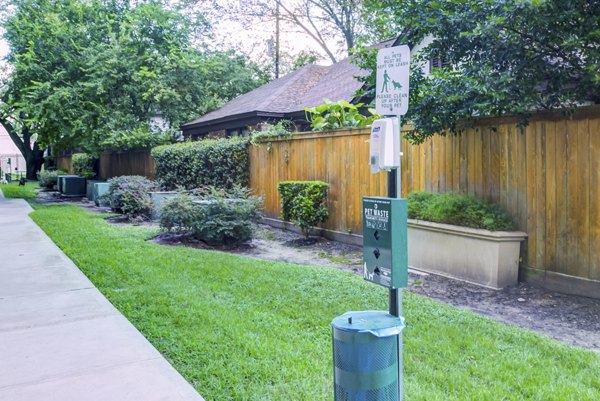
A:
<point x="594" y="268"/>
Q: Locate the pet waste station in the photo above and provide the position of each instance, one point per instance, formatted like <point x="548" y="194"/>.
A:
<point x="367" y="345"/>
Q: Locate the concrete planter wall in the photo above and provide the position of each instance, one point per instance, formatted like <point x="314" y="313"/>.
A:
<point x="100" y="189"/>
<point x="158" y="198"/>
<point x="89" y="191"/>
<point x="478" y="256"/>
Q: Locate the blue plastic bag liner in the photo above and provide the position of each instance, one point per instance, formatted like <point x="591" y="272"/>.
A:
<point x="378" y="323"/>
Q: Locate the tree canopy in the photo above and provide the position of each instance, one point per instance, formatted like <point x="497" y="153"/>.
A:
<point x="500" y="57"/>
<point x="91" y="74"/>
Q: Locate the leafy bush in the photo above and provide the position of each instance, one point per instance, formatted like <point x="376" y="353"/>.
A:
<point x="304" y="203"/>
<point x="48" y="178"/>
<point x="457" y="209"/>
<point x="84" y="165"/>
<point x="216" y="218"/>
<point x="130" y="195"/>
<point x="179" y="214"/>
<point x="222" y="163"/>
<point x="340" y="114"/>
<point x="140" y="137"/>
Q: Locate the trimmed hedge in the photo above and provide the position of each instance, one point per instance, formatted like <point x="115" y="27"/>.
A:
<point x="304" y="203"/>
<point x="459" y="210"/>
<point x="222" y="163"/>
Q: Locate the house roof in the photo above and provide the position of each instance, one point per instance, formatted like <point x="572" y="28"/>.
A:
<point x="305" y="87"/>
<point x="290" y="94"/>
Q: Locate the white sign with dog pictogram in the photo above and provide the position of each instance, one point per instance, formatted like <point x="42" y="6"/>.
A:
<point x="393" y="70"/>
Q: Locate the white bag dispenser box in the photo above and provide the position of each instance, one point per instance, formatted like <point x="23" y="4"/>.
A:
<point x="384" y="144"/>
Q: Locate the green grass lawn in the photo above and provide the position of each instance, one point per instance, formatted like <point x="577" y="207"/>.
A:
<point x="239" y="328"/>
<point x="13" y="190"/>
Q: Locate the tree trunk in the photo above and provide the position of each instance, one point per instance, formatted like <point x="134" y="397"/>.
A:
<point x="34" y="159"/>
<point x="34" y="156"/>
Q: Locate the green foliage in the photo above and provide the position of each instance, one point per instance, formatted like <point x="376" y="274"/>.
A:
<point x="130" y="195"/>
<point x="336" y="115"/>
<point x="84" y="165"/>
<point x="216" y="217"/>
<point x="222" y="163"/>
<point x="179" y="214"/>
<point x="137" y="138"/>
<point x="172" y="294"/>
<point x="505" y="57"/>
<point x="48" y="178"/>
<point x="304" y="203"/>
<point x="91" y="74"/>
<point x="279" y="130"/>
<point x="459" y="210"/>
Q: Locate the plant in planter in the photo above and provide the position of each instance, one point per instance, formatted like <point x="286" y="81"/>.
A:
<point x="304" y="203"/>
<point x="459" y="210"/>
<point x="463" y="237"/>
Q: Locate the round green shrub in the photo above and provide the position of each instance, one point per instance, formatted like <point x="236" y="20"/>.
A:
<point x="180" y="215"/>
<point x="48" y="178"/>
<point x="130" y="195"/>
<point x="459" y="210"/>
<point x="213" y="216"/>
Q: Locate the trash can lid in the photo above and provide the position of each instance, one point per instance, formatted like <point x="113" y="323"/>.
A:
<point x="378" y="323"/>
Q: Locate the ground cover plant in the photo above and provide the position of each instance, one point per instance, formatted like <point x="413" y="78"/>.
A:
<point x="14" y="190"/>
<point x="459" y="210"/>
<point x="239" y="328"/>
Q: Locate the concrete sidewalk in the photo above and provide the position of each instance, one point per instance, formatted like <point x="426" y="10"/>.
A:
<point x="60" y="339"/>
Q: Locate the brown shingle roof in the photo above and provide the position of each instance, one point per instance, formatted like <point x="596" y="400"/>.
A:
<point x="305" y="87"/>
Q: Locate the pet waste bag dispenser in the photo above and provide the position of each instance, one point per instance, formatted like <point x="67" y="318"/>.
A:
<point x="365" y="356"/>
<point x="366" y="345"/>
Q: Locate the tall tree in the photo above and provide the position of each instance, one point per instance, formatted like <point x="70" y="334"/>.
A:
<point x="502" y="57"/>
<point x="331" y="24"/>
<point x="90" y="74"/>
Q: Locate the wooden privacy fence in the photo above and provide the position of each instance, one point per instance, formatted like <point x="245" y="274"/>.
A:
<point x="114" y="164"/>
<point x="547" y="175"/>
<point x="339" y="158"/>
<point x="136" y="162"/>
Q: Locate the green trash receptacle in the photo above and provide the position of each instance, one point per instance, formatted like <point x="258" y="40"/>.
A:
<point x="365" y="356"/>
